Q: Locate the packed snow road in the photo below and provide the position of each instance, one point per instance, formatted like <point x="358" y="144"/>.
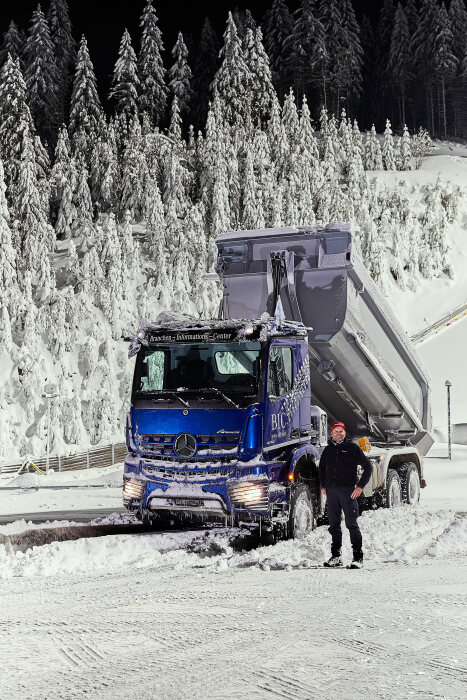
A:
<point x="183" y="616"/>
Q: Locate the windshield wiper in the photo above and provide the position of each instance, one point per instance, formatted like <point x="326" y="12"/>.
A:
<point x="163" y="391"/>
<point x="220" y="393"/>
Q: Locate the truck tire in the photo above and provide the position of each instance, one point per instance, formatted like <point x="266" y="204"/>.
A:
<point x="302" y="519"/>
<point x="393" y="489"/>
<point x="410" y="483"/>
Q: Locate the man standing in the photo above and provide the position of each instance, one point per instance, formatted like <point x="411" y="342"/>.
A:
<point x="340" y="483"/>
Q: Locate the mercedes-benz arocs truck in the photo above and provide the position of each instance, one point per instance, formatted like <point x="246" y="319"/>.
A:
<point x="229" y="416"/>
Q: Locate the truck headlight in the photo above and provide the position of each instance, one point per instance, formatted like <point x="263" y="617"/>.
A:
<point x="133" y="489"/>
<point x="250" y="495"/>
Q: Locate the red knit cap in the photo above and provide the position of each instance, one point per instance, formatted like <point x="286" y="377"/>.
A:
<point x="338" y="425"/>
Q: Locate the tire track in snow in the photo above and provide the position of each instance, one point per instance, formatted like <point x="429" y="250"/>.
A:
<point x="384" y="653"/>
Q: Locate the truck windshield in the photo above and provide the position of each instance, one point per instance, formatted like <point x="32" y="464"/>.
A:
<point x="230" y="368"/>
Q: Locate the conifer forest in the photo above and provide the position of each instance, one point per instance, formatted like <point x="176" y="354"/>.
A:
<point x="110" y="204"/>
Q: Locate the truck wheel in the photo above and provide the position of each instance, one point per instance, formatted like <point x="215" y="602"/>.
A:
<point x="302" y="513"/>
<point x="393" y="489"/>
<point x="410" y="484"/>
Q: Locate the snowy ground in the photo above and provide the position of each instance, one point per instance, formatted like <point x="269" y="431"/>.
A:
<point x="183" y="615"/>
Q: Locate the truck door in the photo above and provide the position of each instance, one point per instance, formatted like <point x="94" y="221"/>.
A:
<point x="278" y="424"/>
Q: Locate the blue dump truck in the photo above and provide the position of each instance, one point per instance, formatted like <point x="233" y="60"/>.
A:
<point x="229" y="416"/>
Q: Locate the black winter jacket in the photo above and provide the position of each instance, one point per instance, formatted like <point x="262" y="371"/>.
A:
<point x="338" y="465"/>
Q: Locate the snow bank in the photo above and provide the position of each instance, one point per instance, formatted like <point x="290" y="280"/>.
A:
<point x="102" y="476"/>
<point x="452" y="542"/>
<point x="100" y="556"/>
<point x="403" y="535"/>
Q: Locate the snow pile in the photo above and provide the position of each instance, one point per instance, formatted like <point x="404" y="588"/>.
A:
<point x="403" y="535"/>
<point x="99" y="556"/>
<point x="397" y="535"/>
<point x="452" y="542"/>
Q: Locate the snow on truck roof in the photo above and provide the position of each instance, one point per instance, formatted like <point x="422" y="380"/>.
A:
<point x="340" y="226"/>
<point x="171" y="329"/>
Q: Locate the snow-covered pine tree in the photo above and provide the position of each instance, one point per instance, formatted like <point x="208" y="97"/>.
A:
<point x="195" y="235"/>
<point x="58" y="328"/>
<point x="130" y="248"/>
<point x="16" y="126"/>
<point x="278" y="26"/>
<point x="134" y="172"/>
<point x="87" y="118"/>
<point x="111" y="301"/>
<point x="156" y="246"/>
<point x="66" y="215"/>
<point x="373" y="155"/>
<point x="275" y="132"/>
<point x="220" y="215"/>
<point x="105" y="170"/>
<point x="84" y="223"/>
<point x="290" y="118"/>
<point x="8" y="275"/>
<point x="175" y="126"/>
<point x="64" y="44"/>
<point x="6" y="339"/>
<point x="405" y="160"/>
<point x="151" y="71"/>
<point x="400" y="65"/>
<point x="41" y="77"/>
<point x="389" y="158"/>
<point x="180" y="76"/>
<point x="59" y="172"/>
<point x="125" y="81"/>
<point x="375" y="254"/>
<point x="35" y="236"/>
<point x="72" y="265"/>
<point x="434" y="223"/>
<point x="252" y="207"/>
<point x="12" y="44"/>
<point x="260" y="86"/>
<point x="232" y="80"/>
<point x="231" y="158"/>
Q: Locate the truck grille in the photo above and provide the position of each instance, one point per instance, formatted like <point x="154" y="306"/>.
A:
<point x="249" y="495"/>
<point x="167" y="472"/>
<point x="162" y="445"/>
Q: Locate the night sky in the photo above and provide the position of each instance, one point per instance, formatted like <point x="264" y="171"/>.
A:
<point x="103" y="22"/>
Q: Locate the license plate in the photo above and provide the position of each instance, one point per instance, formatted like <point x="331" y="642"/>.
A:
<point x="186" y="501"/>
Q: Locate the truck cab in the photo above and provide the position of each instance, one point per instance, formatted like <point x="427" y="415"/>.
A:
<point x="217" y="410"/>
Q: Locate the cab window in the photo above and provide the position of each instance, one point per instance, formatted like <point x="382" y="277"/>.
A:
<point x="280" y="373"/>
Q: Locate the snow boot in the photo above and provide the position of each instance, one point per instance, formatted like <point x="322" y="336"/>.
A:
<point x="335" y="561"/>
<point x="357" y="561"/>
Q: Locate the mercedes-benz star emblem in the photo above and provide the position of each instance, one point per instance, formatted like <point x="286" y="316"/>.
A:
<point x="185" y="445"/>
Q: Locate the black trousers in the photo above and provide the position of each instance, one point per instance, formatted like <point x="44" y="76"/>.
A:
<point x="338" y="500"/>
